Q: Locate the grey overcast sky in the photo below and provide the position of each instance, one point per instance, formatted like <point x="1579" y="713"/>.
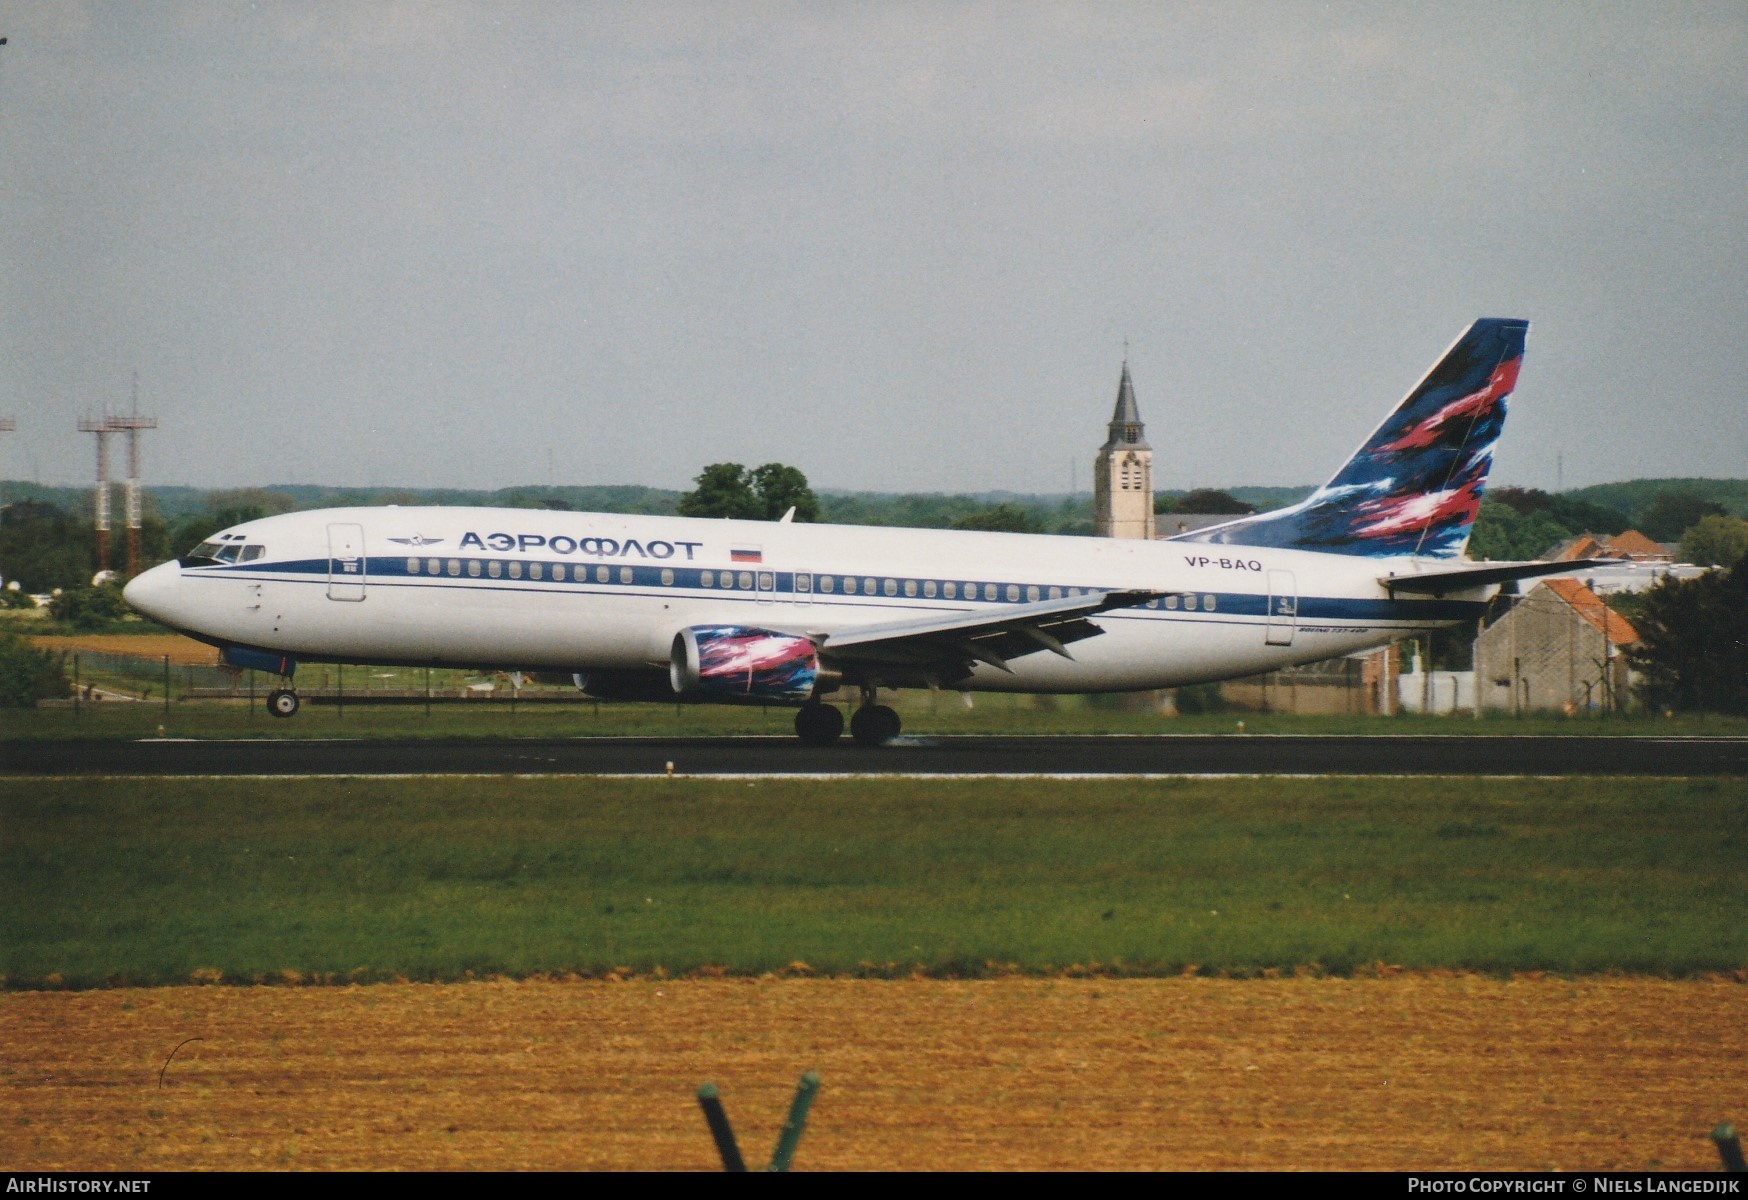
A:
<point x="899" y="246"/>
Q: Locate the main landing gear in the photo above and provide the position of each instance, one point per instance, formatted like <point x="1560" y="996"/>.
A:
<point x="282" y="702"/>
<point x="873" y="724"/>
<point x="818" y="724"/>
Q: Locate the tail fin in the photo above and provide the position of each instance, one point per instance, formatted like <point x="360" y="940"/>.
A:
<point x="1415" y="486"/>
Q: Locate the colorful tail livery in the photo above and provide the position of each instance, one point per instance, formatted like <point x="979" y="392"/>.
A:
<point x="1415" y="486"/>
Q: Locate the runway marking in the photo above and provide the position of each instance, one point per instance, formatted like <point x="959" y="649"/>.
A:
<point x="860" y="776"/>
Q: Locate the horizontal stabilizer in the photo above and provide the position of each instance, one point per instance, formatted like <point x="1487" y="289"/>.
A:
<point x="1440" y="582"/>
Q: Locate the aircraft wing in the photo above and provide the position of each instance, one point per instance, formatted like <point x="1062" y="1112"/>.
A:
<point x="991" y="634"/>
<point x="1437" y="581"/>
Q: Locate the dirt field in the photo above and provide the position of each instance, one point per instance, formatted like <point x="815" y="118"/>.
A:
<point x="183" y="652"/>
<point x="1409" y="1072"/>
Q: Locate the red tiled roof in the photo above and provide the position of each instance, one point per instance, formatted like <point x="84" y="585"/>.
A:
<point x="1633" y="544"/>
<point x="1589" y="605"/>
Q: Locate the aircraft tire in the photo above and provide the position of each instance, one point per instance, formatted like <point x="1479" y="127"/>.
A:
<point x="818" y="724"/>
<point x="282" y="702"/>
<point x="874" y="725"/>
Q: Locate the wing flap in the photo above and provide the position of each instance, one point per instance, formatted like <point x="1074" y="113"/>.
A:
<point x="990" y="634"/>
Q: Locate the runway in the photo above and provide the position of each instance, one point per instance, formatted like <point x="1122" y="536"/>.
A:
<point x="1231" y="754"/>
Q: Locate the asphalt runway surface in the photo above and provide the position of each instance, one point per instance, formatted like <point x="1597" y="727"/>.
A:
<point x="1230" y="754"/>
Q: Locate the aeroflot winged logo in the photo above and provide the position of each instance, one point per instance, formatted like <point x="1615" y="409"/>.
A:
<point x="417" y="540"/>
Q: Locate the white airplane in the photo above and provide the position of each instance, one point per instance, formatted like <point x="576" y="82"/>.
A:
<point x="666" y="608"/>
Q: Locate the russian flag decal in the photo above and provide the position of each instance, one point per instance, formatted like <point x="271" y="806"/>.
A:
<point x="745" y="554"/>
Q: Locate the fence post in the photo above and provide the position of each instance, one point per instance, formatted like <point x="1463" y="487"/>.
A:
<point x="427" y="691"/>
<point x="340" y="687"/>
<point x="791" y="1135"/>
<point x="1729" y="1149"/>
<point x="720" y="1129"/>
<point x="78" y="689"/>
<point x="166" y="683"/>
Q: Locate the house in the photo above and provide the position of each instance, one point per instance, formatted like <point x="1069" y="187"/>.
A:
<point x="1560" y="647"/>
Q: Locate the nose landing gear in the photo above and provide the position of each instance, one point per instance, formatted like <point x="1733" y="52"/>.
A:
<point x="282" y="702"/>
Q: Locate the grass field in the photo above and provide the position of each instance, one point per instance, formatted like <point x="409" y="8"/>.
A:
<point x="152" y="881"/>
<point x="923" y="714"/>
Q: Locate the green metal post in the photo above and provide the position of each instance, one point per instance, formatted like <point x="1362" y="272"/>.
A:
<point x="1729" y="1149"/>
<point x="711" y="1103"/>
<point x="791" y="1135"/>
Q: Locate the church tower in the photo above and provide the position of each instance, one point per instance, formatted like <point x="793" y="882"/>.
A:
<point x="1123" y="476"/>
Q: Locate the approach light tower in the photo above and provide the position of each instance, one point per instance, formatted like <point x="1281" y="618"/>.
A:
<point x="100" y="427"/>
<point x="132" y="426"/>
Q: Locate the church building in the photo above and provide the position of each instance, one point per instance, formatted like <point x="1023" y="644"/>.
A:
<point x="1123" y="475"/>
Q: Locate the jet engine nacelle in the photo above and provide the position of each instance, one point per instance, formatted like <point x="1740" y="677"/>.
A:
<point x="735" y="662"/>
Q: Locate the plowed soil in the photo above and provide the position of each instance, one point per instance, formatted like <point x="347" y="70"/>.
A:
<point x="183" y="652"/>
<point x="1414" y="1071"/>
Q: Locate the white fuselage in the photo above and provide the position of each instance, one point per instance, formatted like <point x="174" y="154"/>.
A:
<point x="578" y="592"/>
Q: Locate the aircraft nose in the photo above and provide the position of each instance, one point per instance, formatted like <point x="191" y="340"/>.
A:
<point x="152" y="592"/>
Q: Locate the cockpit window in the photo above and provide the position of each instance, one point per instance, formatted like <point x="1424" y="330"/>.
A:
<point x="223" y="552"/>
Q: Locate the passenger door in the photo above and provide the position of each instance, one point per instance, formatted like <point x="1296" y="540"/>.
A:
<point x="346" y="562"/>
<point x="1283" y="615"/>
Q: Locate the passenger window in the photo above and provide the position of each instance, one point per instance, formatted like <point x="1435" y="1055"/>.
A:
<point x="494" y="568"/>
<point x="910" y="587"/>
<point x="1208" y="603"/>
<point x="746" y="581"/>
<point x="890" y="587"/>
<point x="803" y="582"/>
<point x="1013" y="591"/>
<point x="950" y="590"/>
<point x="600" y="574"/>
<point x="1190" y="602"/>
<point x="534" y="571"/>
<point x="929" y="588"/>
<point x="667" y="577"/>
<point x="849" y="585"/>
<point x="868" y="586"/>
<point x="455" y="566"/>
<point x="558" y="572"/>
<point x="624" y="574"/>
<point x="412" y="566"/>
<point x="767" y="582"/>
<point x="707" y="579"/>
<point x="473" y="568"/>
<point x="1171" y="601"/>
<point x="1032" y="592"/>
<point x="433" y="566"/>
<point x="989" y="592"/>
<point x="825" y="583"/>
<point x="515" y="570"/>
<point x="1056" y="593"/>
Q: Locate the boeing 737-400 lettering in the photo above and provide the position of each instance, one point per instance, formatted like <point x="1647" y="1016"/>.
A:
<point x="666" y="608"/>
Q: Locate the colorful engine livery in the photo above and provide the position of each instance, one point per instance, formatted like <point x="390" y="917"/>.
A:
<point x="733" y="662"/>
<point x="1415" y="487"/>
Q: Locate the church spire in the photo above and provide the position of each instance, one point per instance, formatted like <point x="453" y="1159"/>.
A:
<point x="1123" y="476"/>
<point x="1126" y="428"/>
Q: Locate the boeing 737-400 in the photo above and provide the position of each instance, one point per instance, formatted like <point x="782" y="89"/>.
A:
<point x="666" y="608"/>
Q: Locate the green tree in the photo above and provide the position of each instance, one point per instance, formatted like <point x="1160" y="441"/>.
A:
<point x="1670" y="514"/>
<point x="1202" y="501"/>
<point x="1003" y="518"/>
<point x="44" y="547"/>
<point x="762" y="494"/>
<point x="1692" y="652"/>
<point x="1715" y="542"/>
<point x="28" y="674"/>
<point x="1502" y="535"/>
<point x="89" y="607"/>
